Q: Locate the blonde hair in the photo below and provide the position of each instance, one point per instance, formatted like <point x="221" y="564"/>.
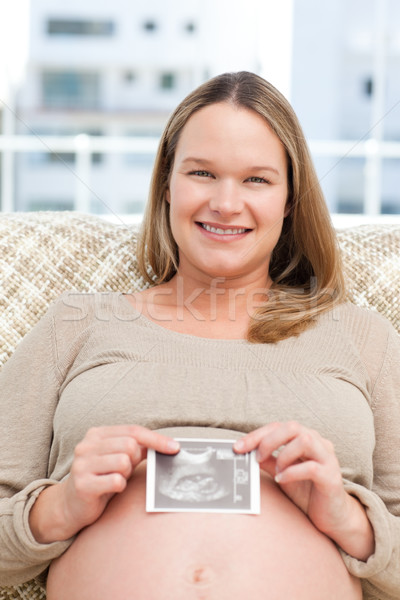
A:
<point x="305" y="265"/>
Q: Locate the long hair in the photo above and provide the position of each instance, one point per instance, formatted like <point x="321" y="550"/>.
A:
<point x="305" y="265"/>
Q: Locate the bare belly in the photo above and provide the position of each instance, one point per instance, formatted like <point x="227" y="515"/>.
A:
<point x="129" y="554"/>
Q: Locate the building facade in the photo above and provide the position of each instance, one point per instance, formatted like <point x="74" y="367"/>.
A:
<point x="114" y="69"/>
<point x="346" y="86"/>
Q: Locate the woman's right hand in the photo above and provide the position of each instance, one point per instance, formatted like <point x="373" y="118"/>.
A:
<point x="102" y="464"/>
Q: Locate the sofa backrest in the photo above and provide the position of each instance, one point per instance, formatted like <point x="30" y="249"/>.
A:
<point x="43" y="254"/>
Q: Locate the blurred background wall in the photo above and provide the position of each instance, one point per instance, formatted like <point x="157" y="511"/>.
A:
<point x="86" y="88"/>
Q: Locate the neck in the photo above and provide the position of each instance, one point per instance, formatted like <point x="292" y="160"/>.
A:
<point x="218" y="298"/>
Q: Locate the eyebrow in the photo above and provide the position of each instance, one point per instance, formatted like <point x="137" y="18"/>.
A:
<point x="205" y="162"/>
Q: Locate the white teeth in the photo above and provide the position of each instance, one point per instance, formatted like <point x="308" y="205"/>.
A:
<point x="222" y="231"/>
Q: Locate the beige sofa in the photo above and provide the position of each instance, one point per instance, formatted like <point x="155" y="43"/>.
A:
<point x="43" y="254"/>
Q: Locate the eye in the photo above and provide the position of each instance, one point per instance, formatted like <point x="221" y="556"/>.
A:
<point x="257" y="180"/>
<point x="201" y="173"/>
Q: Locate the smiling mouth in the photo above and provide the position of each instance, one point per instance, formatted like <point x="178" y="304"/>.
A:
<point x="220" y="231"/>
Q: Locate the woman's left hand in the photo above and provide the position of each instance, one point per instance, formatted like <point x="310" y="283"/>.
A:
<point x="305" y="466"/>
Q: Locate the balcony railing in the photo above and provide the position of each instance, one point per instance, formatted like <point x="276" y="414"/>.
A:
<point x="84" y="146"/>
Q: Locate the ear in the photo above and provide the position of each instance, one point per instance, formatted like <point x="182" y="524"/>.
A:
<point x="168" y="196"/>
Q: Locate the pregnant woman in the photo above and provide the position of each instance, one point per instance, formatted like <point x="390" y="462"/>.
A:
<point x="244" y="334"/>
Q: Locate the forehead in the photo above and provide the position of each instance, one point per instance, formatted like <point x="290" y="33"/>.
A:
<point x="224" y="125"/>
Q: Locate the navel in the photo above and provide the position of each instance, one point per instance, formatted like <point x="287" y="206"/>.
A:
<point x="200" y="575"/>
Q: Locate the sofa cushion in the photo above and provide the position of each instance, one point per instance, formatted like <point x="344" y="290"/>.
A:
<point x="371" y="260"/>
<point x="45" y="253"/>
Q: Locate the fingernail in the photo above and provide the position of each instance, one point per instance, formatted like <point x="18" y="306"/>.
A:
<point x="278" y="477"/>
<point x="239" y="445"/>
<point x="173" y="445"/>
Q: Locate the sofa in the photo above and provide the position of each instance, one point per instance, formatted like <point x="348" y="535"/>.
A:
<point x="43" y="254"/>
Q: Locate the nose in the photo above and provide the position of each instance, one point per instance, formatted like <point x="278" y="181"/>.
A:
<point x="226" y="199"/>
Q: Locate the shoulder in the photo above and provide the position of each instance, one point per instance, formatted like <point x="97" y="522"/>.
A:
<point x="75" y="314"/>
<point x="372" y="336"/>
<point x="353" y="317"/>
<point x="83" y="308"/>
<point x="359" y="321"/>
<point x="351" y="330"/>
<point x="75" y="318"/>
<point x="366" y="330"/>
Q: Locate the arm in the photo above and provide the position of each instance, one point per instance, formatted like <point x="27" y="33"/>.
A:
<point x="368" y="535"/>
<point x="40" y="516"/>
<point x="305" y="466"/>
<point x="103" y="462"/>
<point x="29" y="385"/>
<point x="381" y="573"/>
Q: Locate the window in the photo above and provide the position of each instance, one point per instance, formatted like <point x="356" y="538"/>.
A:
<point x="144" y="159"/>
<point x="390" y="190"/>
<point x="62" y="158"/>
<point x="35" y="204"/>
<point x="134" y="207"/>
<point x="347" y="178"/>
<point x="71" y="89"/>
<point x="76" y="27"/>
<point x="150" y="26"/>
<point x="129" y="77"/>
<point x="353" y="101"/>
<point x="59" y="157"/>
<point x="368" y="86"/>
<point x="167" y="81"/>
<point x="190" y="27"/>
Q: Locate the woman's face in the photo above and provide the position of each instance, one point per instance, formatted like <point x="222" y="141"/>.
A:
<point x="227" y="194"/>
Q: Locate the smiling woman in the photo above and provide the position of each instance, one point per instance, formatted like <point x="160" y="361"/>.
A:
<point x="304" y="264"/>
<point x="245" y="334"/>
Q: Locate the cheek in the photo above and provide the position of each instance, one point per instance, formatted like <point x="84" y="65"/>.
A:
<point x="275" y="209"/>
<point x="184" y="200"/>
<point x="179" y="213"/>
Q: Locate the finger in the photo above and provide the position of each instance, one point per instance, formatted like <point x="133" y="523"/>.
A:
<point x="269" y="439"/>
<point x="115" y="445"/>
<point x="252" y="440"/>
<point x="111" y="463"/>
<point x="306" y="471"/>
<point x="99" y="485"/>
<point x="307" y="445"/>
<point x="154" y="440"/>
<point x="144" y="436"/>
<point x="93" y="447"/>
<point x="285" y="436"/>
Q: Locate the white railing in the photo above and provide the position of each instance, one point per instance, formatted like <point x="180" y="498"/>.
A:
<point x="84" y="146"/>
<point x="374" y="152"/>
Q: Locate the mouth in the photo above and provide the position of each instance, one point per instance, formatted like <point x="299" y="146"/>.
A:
<point x="221" y="230"/>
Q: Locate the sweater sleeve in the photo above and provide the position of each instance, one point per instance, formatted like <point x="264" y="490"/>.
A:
<point x="380" y="574"/>
<point x="29" y="384"/>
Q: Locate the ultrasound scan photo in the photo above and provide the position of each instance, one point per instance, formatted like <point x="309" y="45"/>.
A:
<point x="205" y="476"/>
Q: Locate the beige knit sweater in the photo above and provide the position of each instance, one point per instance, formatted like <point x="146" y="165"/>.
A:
<point x="92" y="360"/>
